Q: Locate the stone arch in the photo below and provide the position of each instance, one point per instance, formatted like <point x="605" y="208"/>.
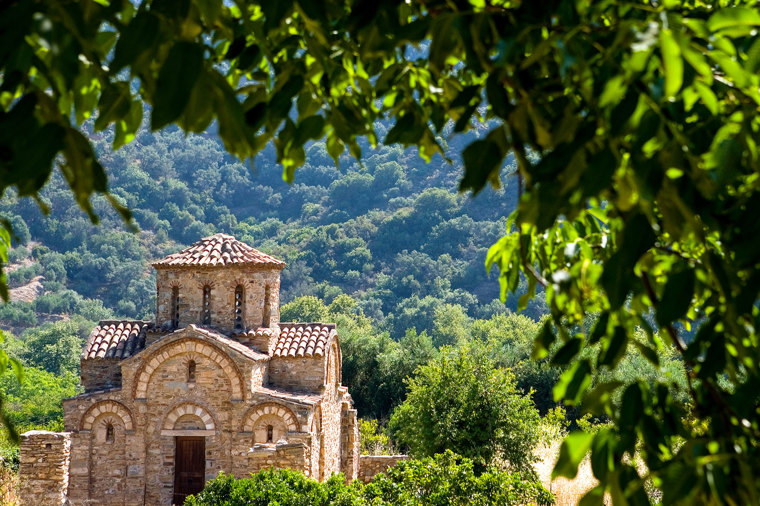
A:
<point x="189" y="408"/>
<point x="196" y="347"/>
<point x="334" y="354"/>
<point x="270" y="408"/>
<point x="107" y="407"/>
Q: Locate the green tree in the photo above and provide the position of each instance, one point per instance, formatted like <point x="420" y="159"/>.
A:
<point x="54" y="347"/>
<point x="304" y="309"/>
<point x="462" y="402"/>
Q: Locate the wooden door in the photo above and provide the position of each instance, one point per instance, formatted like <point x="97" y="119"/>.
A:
<point x="189" y="467"/>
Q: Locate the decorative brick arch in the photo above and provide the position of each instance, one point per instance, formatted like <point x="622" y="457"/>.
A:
<point x="107" y="407"/>
<point x="196" y="347"/>
<point x="189" y="408"/>
<point x="270" y="408"/>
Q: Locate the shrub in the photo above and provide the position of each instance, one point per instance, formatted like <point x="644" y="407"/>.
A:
<point x="445" y="479"/>
<point x="284" y="487"/>
<point x="449" y="479"/>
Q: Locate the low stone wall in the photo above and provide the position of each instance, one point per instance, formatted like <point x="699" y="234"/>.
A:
<point x="371" y="465"/>
<point x="280" y="456"/>
<point x="44" y="467"/>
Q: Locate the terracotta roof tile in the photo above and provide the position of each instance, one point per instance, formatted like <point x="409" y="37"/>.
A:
<point x="116" y="339"/>
<point x="303" y="339"/>
<point x="218" y="250"/>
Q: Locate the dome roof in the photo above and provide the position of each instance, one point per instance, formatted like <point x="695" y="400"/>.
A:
<point x="218" y="250"/>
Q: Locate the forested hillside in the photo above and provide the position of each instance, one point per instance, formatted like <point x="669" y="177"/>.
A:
<point x="391" y="231"/>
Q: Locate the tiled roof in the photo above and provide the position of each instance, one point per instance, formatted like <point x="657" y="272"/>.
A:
<point x="303" y="339"/>
<point x="218" y="250"/>
<point x="116" y="339"/>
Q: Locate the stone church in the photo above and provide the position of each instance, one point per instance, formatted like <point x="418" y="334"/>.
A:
<point x="215" y="383"/>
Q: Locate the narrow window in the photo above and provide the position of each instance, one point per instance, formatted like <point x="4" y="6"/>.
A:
<point x="239" y="307"/>
<point x="206" y="305"/>
<point x="109" y="433"/>
<point x="267" y="311"/>
<point x="175" y="307"/>
<point x="270" y="433"/>
<point x="191" y="371"/>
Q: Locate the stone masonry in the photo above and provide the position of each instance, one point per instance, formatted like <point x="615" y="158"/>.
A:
<point x="371" y="465"/>
<point x="44" y="466"/>
<point x="215" y="383"/>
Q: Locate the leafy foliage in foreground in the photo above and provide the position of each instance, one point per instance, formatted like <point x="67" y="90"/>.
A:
<point x="643" y="200"/>
<point x="445" y="479"/>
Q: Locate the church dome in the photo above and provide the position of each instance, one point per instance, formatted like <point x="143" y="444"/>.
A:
<point x="218" y="250"/>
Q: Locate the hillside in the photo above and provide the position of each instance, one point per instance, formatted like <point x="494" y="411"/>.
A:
<point x="390" y="231"/>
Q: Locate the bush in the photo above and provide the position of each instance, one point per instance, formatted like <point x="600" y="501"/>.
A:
<point x="446" y="479"/>
<point x="283" y="487"/>
<point x="449" y="479"/>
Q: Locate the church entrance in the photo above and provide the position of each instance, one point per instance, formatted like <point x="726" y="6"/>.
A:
<point x="189" y="467"/>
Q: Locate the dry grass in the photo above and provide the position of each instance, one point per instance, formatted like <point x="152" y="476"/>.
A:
<point x="8" y="487"/>
<point x="567" y="492"/>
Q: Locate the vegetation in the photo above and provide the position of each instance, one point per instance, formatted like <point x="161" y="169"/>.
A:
<point x="446" y="479"/>
<point x="463" y="403"/>
<point x="633" y="126"/>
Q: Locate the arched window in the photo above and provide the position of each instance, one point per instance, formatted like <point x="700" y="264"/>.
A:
<point x="239" y="307"/>
<point x="175" y="307"/>
<point x="206" y="305"/>
<point x="270" y="433"/>
<point x="109" y="433"/>
<point x="191" y="371"/>
<point x="267" y="312"/>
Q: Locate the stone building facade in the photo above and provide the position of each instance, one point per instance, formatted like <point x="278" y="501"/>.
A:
<point x="215" y="383"/>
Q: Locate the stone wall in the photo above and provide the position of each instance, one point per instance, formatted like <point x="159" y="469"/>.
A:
<point x="280" y="456"/>
<point x="260" y="286"/>
<point x="371" y="465"/>
<point x="44" y="469"/>
<point x="101" y="374"/>
<point x="297" y="373"/>
<point x="349" y="445"/>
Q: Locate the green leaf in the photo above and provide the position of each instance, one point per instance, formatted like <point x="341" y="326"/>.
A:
<point x="676" y="297"/>
<point x="568" y="351"/>
<point x="618" y="276"/>
<point x="573" y="450"/>
<point x="210" y="10"/>
<point x="543" y="342"/>
<point x="138" y="37"/>
<point x="175" y="83"/>
<point x="672" y="61"/>
<point x="631" y="406"/>
<point x="600" y="397"/>
<point x="408" y="129"/>
<point x="497" y="96"/>
<point x="647" y="352"/>
<point x="114" y="104"/>
<point x="573" y="383"/>
<point x="614" y="348"/>
<point x="482" y="161"/>
<point x="600" y="328"/>
<point x="603" y="453"/>
<point x="310" y="128"/>
<point x="733" y="17"/>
